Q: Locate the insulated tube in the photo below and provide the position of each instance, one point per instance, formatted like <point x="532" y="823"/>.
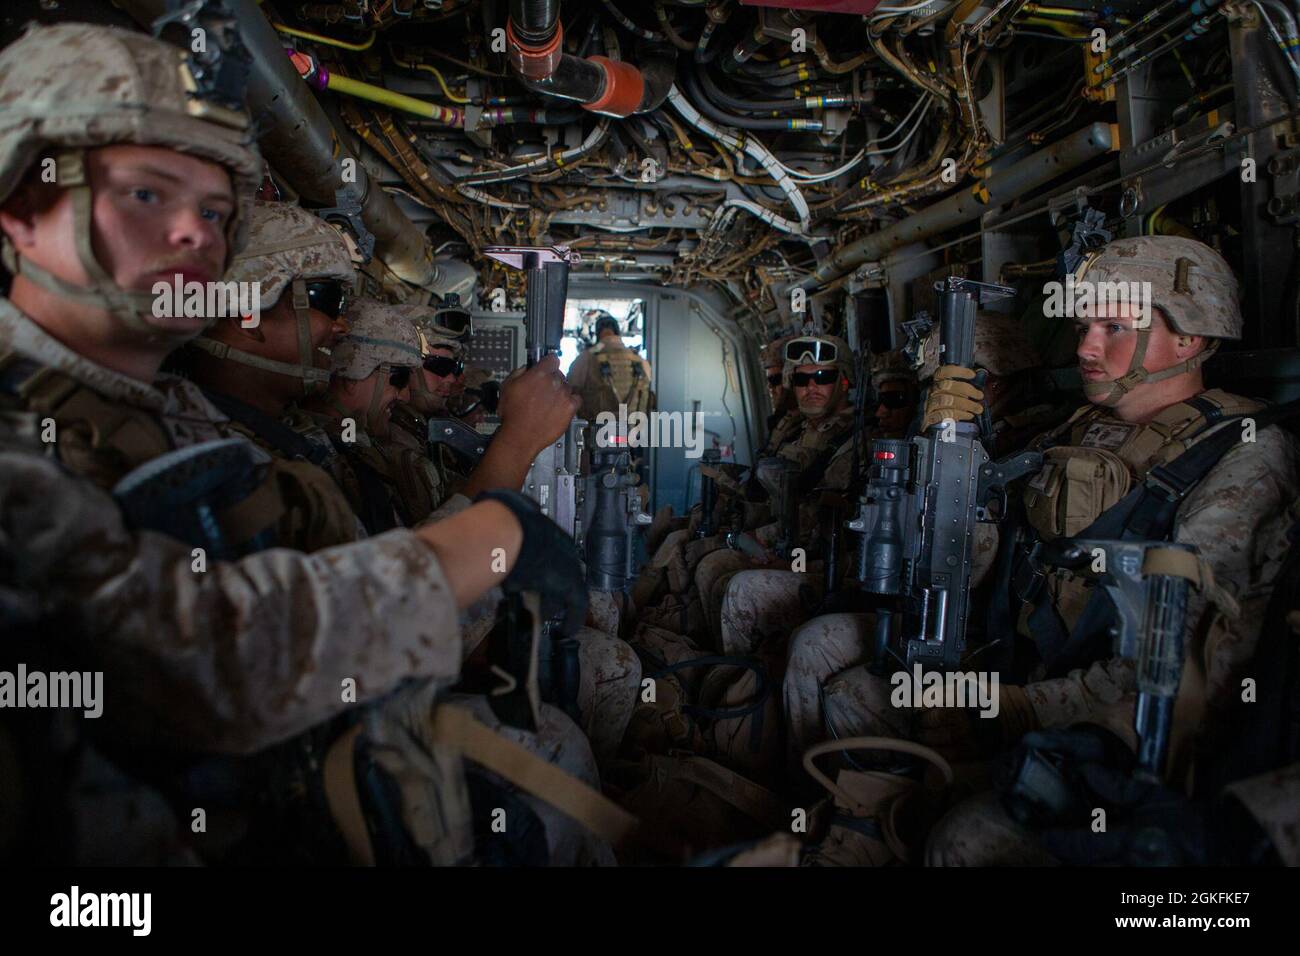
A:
<point x="967" y="205"/>
<point x="746" y="144"/>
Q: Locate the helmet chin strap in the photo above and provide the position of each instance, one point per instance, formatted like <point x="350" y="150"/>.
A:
<point x="314" y="380"/>
<point x="376" y="395"/>
<point x="128" y="307"/>
<point x="1112" y="391"/>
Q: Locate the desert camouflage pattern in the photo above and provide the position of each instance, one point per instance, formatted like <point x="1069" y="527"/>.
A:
<point x="1190" y="282"/>
<point x="431" y="337"/>
<point x="1271" y="799"/>
<point x="242" y="655"/>
<point x="178" y="407"/>
<point x="379" y="334"/>
<point x="170" y="413"/>
<point x="78" y="85"/>
<point x="891" y="367"/>
<point x="979" y="832"/>
<point x="430" y="775"/>
<point x="287" y="242"/>
<point x="1229" y="518"/>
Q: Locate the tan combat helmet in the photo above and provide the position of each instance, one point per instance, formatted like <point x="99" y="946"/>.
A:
<point x="68" y="88"/>
<point x="828" y="350"/>
<point x="287" y="249"/>
<point x="448" y="325"/>
<point x="438" y="327"/>
<point x="1190" y="283"/>
<point x="380" y="336"/>
<point x="1001" y="345"/>
<point x="891" y="367"/>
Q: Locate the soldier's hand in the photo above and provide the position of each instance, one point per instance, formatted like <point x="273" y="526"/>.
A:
<point x="952" y="397"/>
<point x="536" y="405"/>
<point x="548" y="562"/>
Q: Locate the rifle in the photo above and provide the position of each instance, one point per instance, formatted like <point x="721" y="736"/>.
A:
<point x="923" y="498"/>
<point x="708" y="493"/>
<point x="537" y="665"/>
<point x="613" y="515"/>
<point x="1147" y="581"/>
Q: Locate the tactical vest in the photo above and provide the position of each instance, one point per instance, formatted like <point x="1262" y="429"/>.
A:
<point x="617" y="378"/>
<point x="318" y="514"/>
<point x="104" y="441"/>
<point x="415" y="482"/>
<point x="1095" y="470"/>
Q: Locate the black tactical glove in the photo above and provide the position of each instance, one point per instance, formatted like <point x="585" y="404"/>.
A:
<point x="1058" y="779"/>
<point x="548" y="563"/>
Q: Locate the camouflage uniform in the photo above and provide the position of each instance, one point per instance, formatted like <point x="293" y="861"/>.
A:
<point x="1227" y="516"/>
<point x="286" y="247"/>
<point x="627" y="383"/>
<point x="209" y="661"/>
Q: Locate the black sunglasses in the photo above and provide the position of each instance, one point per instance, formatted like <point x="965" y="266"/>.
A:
<point x="327" y="296"/>
<point x="443" y="365"/>
<point x="823" y="376"/>
<point x="774" y="380"/>
<point x="399" y="377"/>
<point x="894" y="400"/>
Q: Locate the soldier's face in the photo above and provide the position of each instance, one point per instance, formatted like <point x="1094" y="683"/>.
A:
<point x="276" y="336"/>
<point x="894" y="420"/>
<point x="1108" y="339"/>
<point x="356" y="396"/>
<point x="441" y="387"/>
<point x="814" y="398"/>
<point x="156" y="213"/>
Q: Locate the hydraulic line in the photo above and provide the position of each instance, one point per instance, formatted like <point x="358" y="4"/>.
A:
<point x="1129" y="50"/>
<point x="707" y="107"/>
<point x="594" y="139"/>
<point x="675" y="38"/>
<point x="629" y="25"/>
<point x="437" y="75"/>
<point x="718" y="95"/>
<point x="1197" y="29"/>
<point x="746" y="144"/>
<point x="324" y="40"/>
<point x="1148" y="17"/>
<point x="322" y="79"/>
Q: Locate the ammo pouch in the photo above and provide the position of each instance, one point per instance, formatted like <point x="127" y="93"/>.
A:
<point x="1073" y="488"/>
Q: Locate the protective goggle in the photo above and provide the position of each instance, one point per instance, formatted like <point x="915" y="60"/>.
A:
<point x="443" y="365"/>
<point x="453" y="322"/>
<point x="893" y="400"/>
<point x="823" y="376"/>
<point x="811" y="351"/>
<point x="327" y="296"/>
<point x="399" y="376"/>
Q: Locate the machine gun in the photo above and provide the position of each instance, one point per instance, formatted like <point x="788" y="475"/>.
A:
<point x="535" y="662"/>
<point x="917" y="515"/>
<point x="1147" y="582"/>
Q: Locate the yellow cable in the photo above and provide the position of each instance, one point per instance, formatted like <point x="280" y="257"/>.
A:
<point x="436" y="74"/>
<point x="328" y="41"/>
